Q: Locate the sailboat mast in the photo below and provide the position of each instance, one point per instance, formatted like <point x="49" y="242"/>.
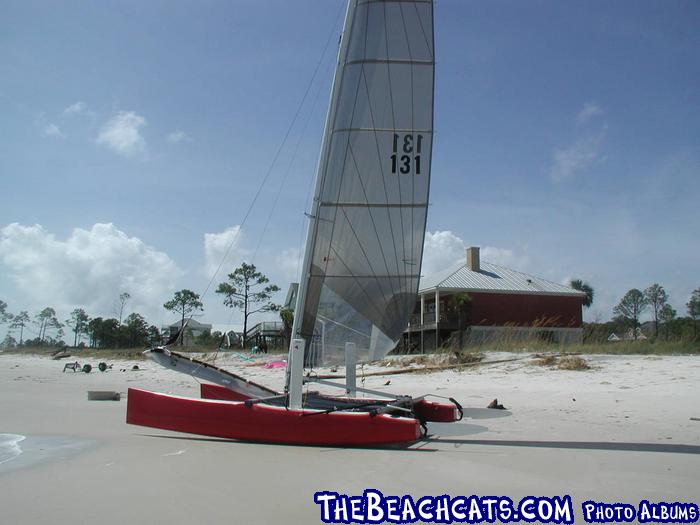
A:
<point x="365" y="236"/>
<point x="323" y="158"/>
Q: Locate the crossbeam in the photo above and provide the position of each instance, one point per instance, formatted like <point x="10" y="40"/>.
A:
<point x="359" y="389"/>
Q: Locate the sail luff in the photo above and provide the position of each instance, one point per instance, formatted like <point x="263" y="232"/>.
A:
<point x="430" y="147"/>
<point x="316" y="201"/>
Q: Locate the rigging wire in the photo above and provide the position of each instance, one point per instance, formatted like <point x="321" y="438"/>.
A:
<point x="272" y="164"/>
<point x="293" y="158"/>
<point x="289" y="168"/>
<point x="309" y="191"/>
<point x="265" y="178"/>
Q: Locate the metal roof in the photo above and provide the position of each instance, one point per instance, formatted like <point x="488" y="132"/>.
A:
<point x="291" y="300"/>
<point x="192" y="323"/>
<point x="493" y="278"/>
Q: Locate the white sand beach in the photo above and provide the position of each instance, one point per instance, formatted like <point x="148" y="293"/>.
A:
<point x="619" y="432"/>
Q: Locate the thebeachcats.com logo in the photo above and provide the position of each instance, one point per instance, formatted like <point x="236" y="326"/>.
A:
<point x="374" y="507"/>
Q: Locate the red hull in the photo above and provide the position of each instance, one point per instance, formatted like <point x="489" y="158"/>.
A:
<point x="424" y="410"/>
<point x="222" y="393"/>
<point x="437" y="412"/>
<point x="264" y="423"/>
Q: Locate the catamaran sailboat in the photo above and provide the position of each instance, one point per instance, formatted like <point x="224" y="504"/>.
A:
<point x="362" y="259"/>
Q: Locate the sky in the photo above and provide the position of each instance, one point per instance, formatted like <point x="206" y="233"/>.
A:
<point x="135" y="135"/>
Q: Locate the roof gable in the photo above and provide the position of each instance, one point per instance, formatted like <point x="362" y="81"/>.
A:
<point x="192" y="324"/>
<point x="493" y="278"/>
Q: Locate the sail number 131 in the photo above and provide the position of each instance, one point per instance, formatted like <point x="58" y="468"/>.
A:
<point x="407" y="149"/>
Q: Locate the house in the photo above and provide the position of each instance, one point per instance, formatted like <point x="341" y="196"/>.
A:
<point x="487" y="302"/>
<point x="290" y="301"/>
<point x="629" y="335"/>
<point x="271" y="332"/>
<point x="193" y="326"/>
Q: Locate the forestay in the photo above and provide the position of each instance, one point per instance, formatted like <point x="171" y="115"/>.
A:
<point x="365" y="238"/>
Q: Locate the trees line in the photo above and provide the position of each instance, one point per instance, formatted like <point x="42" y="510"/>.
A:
<point x="250" y="291"/>
<point x="655" y="300"/>
<point x="98" y="332"/>
<point x="245" y="289"/>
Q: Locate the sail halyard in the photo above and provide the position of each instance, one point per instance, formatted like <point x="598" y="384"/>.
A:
<point x="365" y="236"/>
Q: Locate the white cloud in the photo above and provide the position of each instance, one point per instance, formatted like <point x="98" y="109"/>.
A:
<point x="121" y="133"/>
<point x="288" y="263"/>
<point x="79" y="108"/>
<point x="51" y="130"/>
<point x="178" y="136"/>
<point x="223" y="250"/>
<point x="444" y="249"/>
<point x="589" y="110"/>
<point x="580" y="155"/>
<point x="441" y="250"/>
<point x="278" y="266"/>
<point x="89" y="269"/>
<point x="504" y="257"/>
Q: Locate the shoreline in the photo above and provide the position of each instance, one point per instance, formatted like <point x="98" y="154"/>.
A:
<point x="620" y="431"/>
<point x="36" y="450"/>
<point x="10" y="447"/>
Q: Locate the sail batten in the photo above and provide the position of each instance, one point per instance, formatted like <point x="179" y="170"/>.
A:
<point x="394" y="2"/>
<point x="391" y="61"/>
<point x="394" y="130"/>
<point x="365" y="238"/>
<point x="375" y="205"/>
<point x="371" y="276"/>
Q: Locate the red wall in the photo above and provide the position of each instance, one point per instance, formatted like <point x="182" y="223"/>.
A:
<point x="525" y="310"/>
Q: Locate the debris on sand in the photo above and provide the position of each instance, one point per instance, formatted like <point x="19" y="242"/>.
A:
<point x="428" y="360"/>
<point x="561" y="362"/>
<point x="61" y="353"/>
<point x="549" y="360"/>
<point x="496" y="405"/>
<point x="426" y="364"/>
<point x="72" y="366"/>
<point x="573" y="363"/>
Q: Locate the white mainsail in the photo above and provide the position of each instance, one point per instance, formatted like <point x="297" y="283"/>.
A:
<point x="365" y="238"/>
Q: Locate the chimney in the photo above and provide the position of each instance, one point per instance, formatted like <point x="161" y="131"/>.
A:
<point x="473" y="258"/>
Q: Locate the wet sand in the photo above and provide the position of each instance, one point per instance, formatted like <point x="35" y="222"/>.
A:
<point x="620" y="432"/>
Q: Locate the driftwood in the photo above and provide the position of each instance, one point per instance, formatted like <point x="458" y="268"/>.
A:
<point x="433" y="368"/>
<point x="61" y="353"/>
<point x="103" y="395"/>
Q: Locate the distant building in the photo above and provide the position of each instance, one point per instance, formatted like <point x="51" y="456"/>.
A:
<point x="629" y="335"/>
<point x="290" y="301"/>
<point x="502" y="303"/>
<point x="194" y="326"/>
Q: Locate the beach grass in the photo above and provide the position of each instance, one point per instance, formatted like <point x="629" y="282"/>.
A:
<point x="76" y="354"/>
<point x="639" y="347"/>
